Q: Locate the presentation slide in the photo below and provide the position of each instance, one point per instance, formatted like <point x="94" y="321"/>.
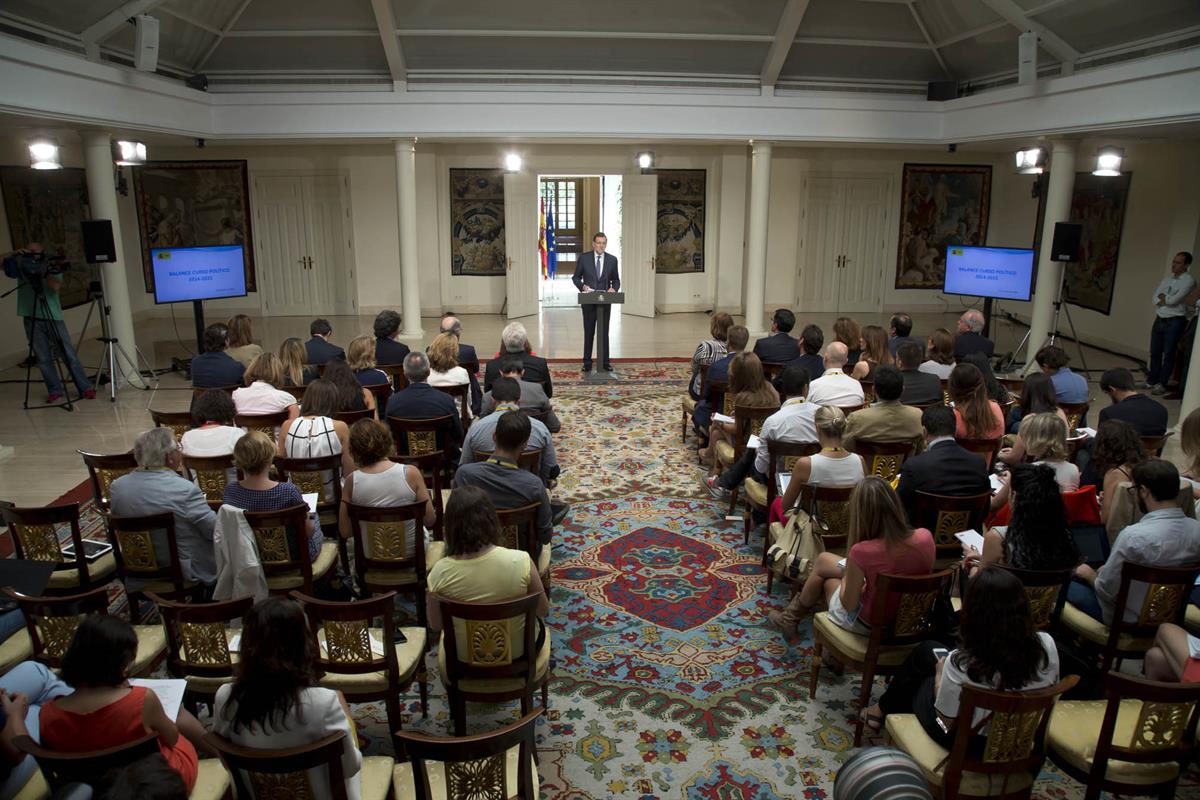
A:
<point x="1000" y="272"/>
<point x="198" y="273"/>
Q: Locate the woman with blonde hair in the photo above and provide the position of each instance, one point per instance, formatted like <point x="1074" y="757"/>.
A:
<point x="360" y="355"/>
<point x="242" y="348"/>
<point x="292" y="355"/>
<point x="710" y="349"/>
<point x="834" y="466"/>
<point x="261" y="394"/>
<point x="443" y="362"/>
<point x="847" y="331"/>
<point x="749" y="387"/>
<point x="874" y="345"/>
<point x="940" y="355"/>
<point x="256" y="491"/>
<point x="1045" y="438"/>
<point x="979" y="417"/>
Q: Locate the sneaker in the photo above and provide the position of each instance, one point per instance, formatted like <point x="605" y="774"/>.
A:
<point x="1159" y="390"/>
<point x="54" y="398"/>
<point x="718" y="492"/>
<point x="90" y="394"/>
<point x="558" y="512"/>
<point x="777" y="620"/>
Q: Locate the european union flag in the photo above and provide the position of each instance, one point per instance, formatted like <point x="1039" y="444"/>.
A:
<point x="551" y="253"/>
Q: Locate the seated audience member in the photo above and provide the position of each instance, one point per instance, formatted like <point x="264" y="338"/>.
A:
<point x="1189" y="435"/>
<point x="477" y="569"/>
<point x="834" y="467"/>
<point x="939" y="357"/>
<point x="1037" y="536"/>
<point x="710" y="349"/>
<point x="793" y="422"/>
<point x="215" y="433"/>
<point x="847" y="331"/>
<point x="381" y="482"/>
<point x="970" y="338"/>
<point x="835" y="387"/>
<point x="995" y="389"/>
<point x="256" y="491"/>
<point x="920" y="388"/>
<point x="352" y="395"/>
<point x="945" y="467"/>
<point x="104" y="711"/>
<point x="319" y="348"/>
<point x="360" y="357"/>
<point x="811" y="341"/>
<point x="1164" y="537"/>
<point x="505" y="482"/>
<point x="443" y="362"/>
<point x="419" y="400"/>
<point x="314" y="433"/>
<point x="718" y="372"/>
<point x="1117" y="450"/>
<point x="505" y="396"/>
<point x="886" y="420"/>
<point x="1145" y="414"/>
<point x="156" y="487"/>
<point x="779" y="347"/>
<point x="749" y="387"/>
<point x="514" y="339"/>
<point x="532" y="395"/>
<point x="292" y="355"/>
<point x="24" y="689"/>
<point x="468" y="359"/>
<point x="275" y="701"/>
<point x="901" y="328"/>
<point x="881" y="541"/>
<point x="998" y="649"/>
<point x="242" y="348"/>
<point x="261" y="394"/>
<point x="1037" y="397"/>
<point x="1175" y="656"/>
<point x="386" y="328"/>
<point x="1068" y="386"/>
<point x="214" y="367"/>
<point x="1044" y="437"/>
<point x="873" y="351"/>
<point x="978" y="416"/>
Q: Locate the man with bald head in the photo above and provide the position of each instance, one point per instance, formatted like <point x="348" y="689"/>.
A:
<point x="835" y="387"/>
<point x="970" y="337"/>
<point x="468" y="359"/>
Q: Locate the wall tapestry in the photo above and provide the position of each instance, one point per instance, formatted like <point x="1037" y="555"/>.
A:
<point x="193" y="204"/>
<point x="1099" y="205"/>
<point x="477" y="222"/>
<point x="680" y="246"/>
<point x="46" y="206"/>
<point x="940" y="205"/>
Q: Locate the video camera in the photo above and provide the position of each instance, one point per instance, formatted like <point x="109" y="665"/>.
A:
<point x="33" y="268"/>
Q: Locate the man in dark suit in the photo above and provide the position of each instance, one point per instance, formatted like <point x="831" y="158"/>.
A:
<point x="387" y="349"/>
<point x="780" y="347"/>
<point x="1145" y="414"/>
<point x="467" y="359"/>
<point x="810" y="344"/>
<point x="214" y="367"/>
<point x="513" y="339"/>
<point x="945" y="467"/>
<point x="318" y="348"/>
<point x="419" y="400"/>
<point x="919" y="387"/>
<point x="970" y="338"/>
<point x="596" y="272"/>
<point x="899" y="334"/>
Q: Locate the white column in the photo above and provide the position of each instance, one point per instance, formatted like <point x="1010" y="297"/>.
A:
<point x="406" y="205"/>
<point x="1058" y="209"/>
<point x="756" y="238"/>
<point x="102" y="198"/>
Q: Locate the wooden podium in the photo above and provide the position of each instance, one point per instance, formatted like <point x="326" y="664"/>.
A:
<point x="603" y="302"/>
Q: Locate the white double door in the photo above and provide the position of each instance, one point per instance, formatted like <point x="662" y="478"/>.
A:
<point x="302" y="231"/>
<point x="844" y="247"/>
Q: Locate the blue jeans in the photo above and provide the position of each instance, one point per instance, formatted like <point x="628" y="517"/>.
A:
<point x="1164" y="337"/>
<point x="1083" y="597"/>
<point x="39" y="333"/>
<point x="41" y="686"/>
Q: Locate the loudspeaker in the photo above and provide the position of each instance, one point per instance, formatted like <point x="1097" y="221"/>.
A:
<point x="1065" y="246"/>
<point x="145" y="43"/>
<point x="98" y="244"/>
<point x="941" y="90"/>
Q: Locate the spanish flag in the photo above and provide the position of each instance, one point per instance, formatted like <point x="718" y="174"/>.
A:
<point x="542" y="237"/>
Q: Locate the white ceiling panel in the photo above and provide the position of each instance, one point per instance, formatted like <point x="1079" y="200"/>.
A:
<point x="945" y="18"/>
<point x="854" y="19"/>
<point x="307" y="15"/>
<point x="210" y="13"/>
<point x="1098" y="24"/>
<point x="178" y="42"/>
<point x="862" y="63"/>
<point x="73" y="16"/>
<point x="316" y="54"/>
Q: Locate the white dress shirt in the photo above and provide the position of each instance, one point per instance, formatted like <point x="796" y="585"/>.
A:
<point x="795" y="422"/>
<point x="1162" y="538"/>
<point x="835" y="388"/>
<point x="1176" y="288"/>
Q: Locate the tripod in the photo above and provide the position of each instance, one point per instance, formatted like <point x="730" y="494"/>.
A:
<point x="1060" y="306"/>
<point x="114" y="356"/>
<point x="43" y="317"/>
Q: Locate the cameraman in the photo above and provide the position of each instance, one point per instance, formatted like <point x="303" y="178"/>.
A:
<point x="31" y="268"/>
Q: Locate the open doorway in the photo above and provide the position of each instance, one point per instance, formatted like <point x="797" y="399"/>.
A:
<point x="575" y="207"/>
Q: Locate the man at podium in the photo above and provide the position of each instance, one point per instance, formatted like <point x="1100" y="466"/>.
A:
<point x="596" y="272"/>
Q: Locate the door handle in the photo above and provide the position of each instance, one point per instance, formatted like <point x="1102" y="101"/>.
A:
<point x="509" y="265"/>
<point x="302" y="262"/>
<point x="309" y="260"/>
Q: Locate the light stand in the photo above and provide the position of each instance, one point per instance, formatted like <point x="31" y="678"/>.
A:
<point x="1060" y="305"/>
<point x="115" y="360"/>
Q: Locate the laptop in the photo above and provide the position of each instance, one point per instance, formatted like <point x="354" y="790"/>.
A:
<point x="27" y="577"/>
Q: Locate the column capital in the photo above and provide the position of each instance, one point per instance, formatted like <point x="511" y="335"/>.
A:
<point x="92" y="137"/>
<point x="405" y="145"/>
<point x="760" y="147"/>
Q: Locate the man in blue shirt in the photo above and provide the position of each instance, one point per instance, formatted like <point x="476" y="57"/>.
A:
<point x="718" y="372"/>
<point x="214" y="367"/>
<point x="1069" y="387"/>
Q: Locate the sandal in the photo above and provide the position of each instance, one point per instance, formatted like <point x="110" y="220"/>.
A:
<point x="872" y="722"/>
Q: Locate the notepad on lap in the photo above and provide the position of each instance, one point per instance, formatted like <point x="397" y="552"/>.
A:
<point x="170" y="692"/>
<point x="754" y="442"/>
<point x="971" y="538"/>
<point x="784" y="479"/>
<point x="312" y="498"/>
<point x="997" y="484"/>
<point x="728" y="420"/>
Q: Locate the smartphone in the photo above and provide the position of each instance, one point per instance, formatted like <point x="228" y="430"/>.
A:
<point x="940" y="653"/>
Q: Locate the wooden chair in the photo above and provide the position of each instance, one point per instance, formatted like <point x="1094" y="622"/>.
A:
<point x="781" y="457"/>
<point x="396" y="373"/>
<point x="1165" y="599"/>
<point x="868" y="387"/>
<point x="1047" y="593"/>
<point x="771" y="370"/>
<point x="689" y="405"/>
<point x="499" y="763"/>
<point x="748" y="421"/>
<point x="529" y="460"/>
<point x="291" y="772"/>
<point x="890" y="640"/>
<point x="363" y="662"/>
<point x="1075" y="412"/>
<point x="719" y="398"/>
<point x="263" y="423"/>
<point x="848" y="410"/>
<point x="491" y="669"/>
<point x="540" y="416"/>
<point x="883" y="458"/>
<point x="462" y="398"/>
<point x="417" y="437"/>
<point x="322" y="475"/>
<point x="35" y="538"/>
<point x="382" y="559"/>
<point x="383" y="393"/>
<point x="1003" y="761"/>
<point x="199" y="643"/>
<point x="832" y="509"/>
<point x="984" y="448"/>
<point x="297" y="392"/>
<point x="1137" y="741"/>
<point x="180" y="422"/>
<point x="945" y="516"/>
<point x="103" y="470"/>
<point x="1014" y="385"/>
<point x="51" y="622"/>
<point x="351" y="417"/>
<point x="211" y="474"/>
<point x="432" y="466"/>
<point x="282" y="543"/>
<point x="229" y="390"/>
<point x="518" y="531"/>
<point x="147" y="558"/>
<point x="1154" y="444"/>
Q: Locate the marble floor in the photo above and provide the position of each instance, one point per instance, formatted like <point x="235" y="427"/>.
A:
<point x="44" y="464"/>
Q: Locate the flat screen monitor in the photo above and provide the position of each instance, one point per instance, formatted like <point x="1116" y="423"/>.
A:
<point x="182" y="274"/>
<point x="1004" y="273"/>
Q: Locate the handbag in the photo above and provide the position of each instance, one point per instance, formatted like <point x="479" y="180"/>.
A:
<point x="796" y="544"/>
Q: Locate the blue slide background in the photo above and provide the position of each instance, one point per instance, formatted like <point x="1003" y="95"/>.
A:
<point x="198" y="273"/>
<point x="1003" y="273"/>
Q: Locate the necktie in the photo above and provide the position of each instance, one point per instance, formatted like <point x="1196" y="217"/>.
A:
<point x="599" y="260"/>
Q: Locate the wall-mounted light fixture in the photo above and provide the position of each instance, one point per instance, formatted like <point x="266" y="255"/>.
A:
<point x="645" y="159"/>
<point x="1031" y="161"/>
<point x="512" y="162"/>
<point x="44" y="154"/>
<point x="1108" y="161"/>
<point x="129" y="154"/>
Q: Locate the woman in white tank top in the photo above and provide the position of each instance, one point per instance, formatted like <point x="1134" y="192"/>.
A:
<point x="834" y="466"/>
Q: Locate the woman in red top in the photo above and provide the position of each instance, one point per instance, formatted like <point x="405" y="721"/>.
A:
<point x="880" y="541"/>
<point x="105" y="711"/>
<point x="979" y="417"/>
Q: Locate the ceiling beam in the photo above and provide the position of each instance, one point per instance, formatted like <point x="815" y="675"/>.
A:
<point x="1014" y="15"/>
<point x="823" y="40"/>
<point x="500" y="33"/>
<point x="225" y="29"/>
<point x="195" y="23"/>
<point x="928" y="39"/>
<point x="385" y="20"/>
<point x="110" y="22"/>
<point x="781" y="45"/>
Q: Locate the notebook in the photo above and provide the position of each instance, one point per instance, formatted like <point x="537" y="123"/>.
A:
<point x="26" y="577"/>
